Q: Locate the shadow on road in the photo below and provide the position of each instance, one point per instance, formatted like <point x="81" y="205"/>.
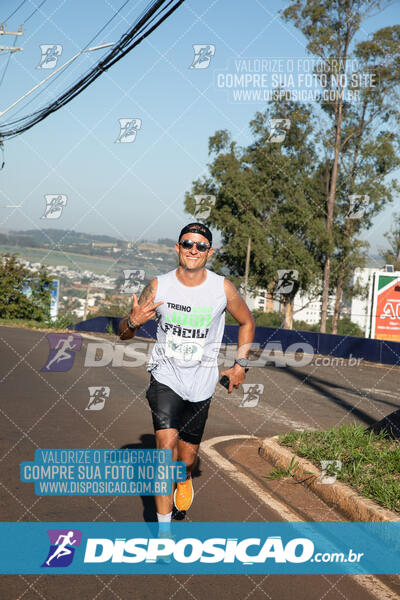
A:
<point x="355" y="392"/>
<point x="321" y="385"/>
<point x="148" y="441"/>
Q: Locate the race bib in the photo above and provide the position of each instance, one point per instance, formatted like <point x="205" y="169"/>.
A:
<point x="181" y="349"/>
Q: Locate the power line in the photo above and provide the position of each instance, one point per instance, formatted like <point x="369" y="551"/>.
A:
<point x="35" y="11"/>
<point x="43" y="89"/>
<point x="108" y="23"/>
<point x="14" y="11"/>
<point x="15" y="39"/>
<point x="138" y="32"/>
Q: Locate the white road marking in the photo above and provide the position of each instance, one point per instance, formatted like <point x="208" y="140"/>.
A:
<point x="383" y="392"/>
<point x="268" y="412"/>
<point x="208" y="448"/>
<point x="370" y="583"/>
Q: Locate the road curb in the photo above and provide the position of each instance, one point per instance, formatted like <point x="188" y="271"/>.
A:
<point x="340" y="495"/>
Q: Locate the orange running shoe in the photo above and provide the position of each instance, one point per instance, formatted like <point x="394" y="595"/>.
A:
<point x="183" y="495"/>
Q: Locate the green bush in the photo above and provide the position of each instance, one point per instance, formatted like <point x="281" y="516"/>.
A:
<point x="345" y="327"/>
<point x="262" y="319"/>
<point x="268" y="319"/>
<point x="15" y="280"/>
<point x="275" y="319"/>
<point x="61" y="322"/>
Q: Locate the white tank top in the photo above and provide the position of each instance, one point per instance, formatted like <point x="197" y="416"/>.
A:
<point x="190" y="326"/>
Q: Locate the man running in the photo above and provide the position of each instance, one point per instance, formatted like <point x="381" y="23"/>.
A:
<point x="189" y="304"/>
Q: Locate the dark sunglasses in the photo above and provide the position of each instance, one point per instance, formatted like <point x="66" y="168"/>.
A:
<point x="188" y="245"/>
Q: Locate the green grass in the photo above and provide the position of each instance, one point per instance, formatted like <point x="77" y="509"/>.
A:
<point x="22" y="323"/>
<point x="280" y="472"/>
<point x="370" y="462"/>
<point x="59" y="325"/>
<point x="97" y="264"/>
<point x="100" y="265"/>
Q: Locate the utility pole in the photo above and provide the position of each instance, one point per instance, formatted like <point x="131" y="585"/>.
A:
<point x="246" y="272"/>
<point x="4" y="32"/>
<point x="85" y="310"/>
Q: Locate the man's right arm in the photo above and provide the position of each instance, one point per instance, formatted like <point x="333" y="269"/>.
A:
<point x="141" y="312"/>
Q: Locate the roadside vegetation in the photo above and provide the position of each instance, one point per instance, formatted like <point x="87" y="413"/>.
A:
<point x="25" y="296"/>
<point x="370" y="462"/>
<point x="276" y="319"/>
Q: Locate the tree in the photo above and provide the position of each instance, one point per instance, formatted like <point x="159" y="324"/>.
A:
<point x="371" y="151"/>
<point x="330" y="27"/>
<point x="391" y="255"/>
<point x="268" y="192"/>
<point x="23" y="294"/>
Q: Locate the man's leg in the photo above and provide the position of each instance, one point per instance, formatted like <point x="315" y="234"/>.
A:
<point x="166" y="408"/>
<point x="166" y="439"/>
<point x="190" y="434"/>
<point x="188" y="453"/>
<point x="183" y="496"/>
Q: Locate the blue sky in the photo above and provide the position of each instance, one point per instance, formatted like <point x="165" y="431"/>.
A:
<point x="134" y="190"/>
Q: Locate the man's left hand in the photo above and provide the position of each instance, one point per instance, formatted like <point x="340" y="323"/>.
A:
<point x="236" y="376"/>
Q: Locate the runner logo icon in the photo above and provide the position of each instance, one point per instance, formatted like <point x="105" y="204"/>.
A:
<point x="63" y="543"/>
<point x="50" y="55"/>
<point x="204" y="204"/>
<point x="358" y="206"/>
<point x="128" y="129"/>
<point x="251" y="394"/>
<point x="278" y="130"/>
<point x="133" y="283"/>
<point x="202" y="56"/>
<point x="98" y="396"/>
<point x="55" y="204"/>
<point x="62" y="351"/>
<point x="287" y="279"/>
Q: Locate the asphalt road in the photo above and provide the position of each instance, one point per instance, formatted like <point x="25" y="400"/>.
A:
<point x="47" y="410"/>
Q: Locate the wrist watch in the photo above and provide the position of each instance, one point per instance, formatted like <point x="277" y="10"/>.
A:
<point x="130" y="324"/>
<point x="242" y="362"/>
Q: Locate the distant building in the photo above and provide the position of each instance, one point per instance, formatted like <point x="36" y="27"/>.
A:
<point x="306" y="307"/>
<point x="260" y="299"/>
<point x="360" y="313"/>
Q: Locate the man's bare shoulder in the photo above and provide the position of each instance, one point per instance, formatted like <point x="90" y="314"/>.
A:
<point x="149" y="291"/>
<point x="230" y="290"/>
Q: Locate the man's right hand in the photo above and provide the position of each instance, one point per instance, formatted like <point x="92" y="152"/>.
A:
<point x="141" y="313"/>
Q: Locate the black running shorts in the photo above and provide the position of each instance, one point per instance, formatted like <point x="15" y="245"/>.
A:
<point x="170" y="411"/>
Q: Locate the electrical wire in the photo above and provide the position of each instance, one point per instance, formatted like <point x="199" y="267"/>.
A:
<point x="14" y="11"/>
<point x="15" y="39"/>
<point x="61" y="73"/>
<point x="143" y="27"/>
<point x="35" y="11"/>
<point x="42" y="90"/>
<point x="107" y="24"/>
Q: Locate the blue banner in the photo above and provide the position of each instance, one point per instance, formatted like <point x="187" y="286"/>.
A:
<point x="204" y="548"/>
<point x="325" y="344"/>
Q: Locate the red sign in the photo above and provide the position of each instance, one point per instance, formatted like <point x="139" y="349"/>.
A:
<point x="386" y="319"/>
